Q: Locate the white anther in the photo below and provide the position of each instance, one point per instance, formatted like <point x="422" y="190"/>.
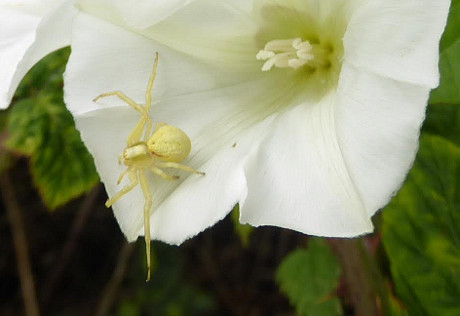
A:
<point x="292" y="53"/>
<point x="296" y="63"/>
<point x="264" y="55"/>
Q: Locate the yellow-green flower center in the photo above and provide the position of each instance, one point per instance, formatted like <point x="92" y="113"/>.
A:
<point x="301" y="45"/>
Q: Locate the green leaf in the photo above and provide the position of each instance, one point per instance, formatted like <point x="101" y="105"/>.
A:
<point x="444" y="120"/>
<point x="310" y="277"/>
<point x="40" y="127"/>
<point x="45" y="75"/>
<point x="243" y="231"/>
<point x="421" y="232"/>
<point x="25" y="125"/>
<point x="449" y="64"/>
<point x="61" y="166"/>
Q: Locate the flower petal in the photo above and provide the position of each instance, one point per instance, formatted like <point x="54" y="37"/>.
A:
<point x="231" y="43"/>
<point x="27" y="34"/>
<point x="135" y="14"/>
<point x="144" y="13"/>
<point x="298" y="178"/>
<point x="187" y="94"/>
<point x="398" y="39"/>
<point x="378" y="124"/>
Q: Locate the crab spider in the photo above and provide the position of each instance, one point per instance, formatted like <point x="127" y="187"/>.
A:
<point x="166" y="147"/>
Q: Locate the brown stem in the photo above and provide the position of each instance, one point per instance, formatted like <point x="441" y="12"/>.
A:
<point x="357" y="275"/>
<point x="21" y="247"/>
<point x="111" y="289"/>
<point x="69" y="248"/>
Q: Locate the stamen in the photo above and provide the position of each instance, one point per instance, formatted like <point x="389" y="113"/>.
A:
<point x="293" y="53"/>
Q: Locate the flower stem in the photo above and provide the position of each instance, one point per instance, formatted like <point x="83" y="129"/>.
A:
<point x="110" y="292"/>
<point x="357" y="274"/>
<point x="65" y="257"/>
<point x="21" y="247"/>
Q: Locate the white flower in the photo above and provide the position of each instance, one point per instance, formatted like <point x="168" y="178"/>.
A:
<point x="29" y="30"/>
<point x="306" y="112"/>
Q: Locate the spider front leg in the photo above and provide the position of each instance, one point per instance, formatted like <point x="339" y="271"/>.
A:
<point x="148" y="92"/>
<point x="147" y="209"/>
<point x="148" y="98"/>
<point x="136" y="135"/>
<point x="138" y="107"/>
<point x="125" y="190"/>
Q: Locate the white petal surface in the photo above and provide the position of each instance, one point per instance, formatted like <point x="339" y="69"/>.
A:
<point x="212" y="116"/>
<point x="398" y="39"/>
<point x="218" y="32"/>
<point x="298" y="178"/>
<point x="27" y="34"/>
<point x="145" y="13"/>
<point x="378" y="124"/>
<point x="128" y="68"/>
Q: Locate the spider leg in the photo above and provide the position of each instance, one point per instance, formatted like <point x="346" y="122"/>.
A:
<point x="136" y="134"/>
<point x="163" y="174"/>
<point x="147" y="210"/>
<point x="147" y="130"/>
<point x="124" y="98"/>
<point x="148" y="92"/>
<point x="126" y="189"/>
<point x="176" y="165"/>
<point x="148" y="97"/>
<point x="123" y="174"/>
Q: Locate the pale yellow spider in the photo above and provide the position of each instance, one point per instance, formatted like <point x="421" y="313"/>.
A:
<point x="166" y="147"/>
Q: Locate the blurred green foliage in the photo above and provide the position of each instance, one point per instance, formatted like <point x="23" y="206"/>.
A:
<point x="449" y="88"/>
<point x="40" y="126"/>
<point x="168" y="293"/>
<point x="310" y="277"/>
<point x="422" y="231"/>
<point x="443" y="120"/>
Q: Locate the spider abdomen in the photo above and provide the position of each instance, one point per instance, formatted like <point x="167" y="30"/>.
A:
<point x="170" y="144"/>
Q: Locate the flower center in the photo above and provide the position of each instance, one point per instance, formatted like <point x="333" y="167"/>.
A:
<point x="293" y="53"/>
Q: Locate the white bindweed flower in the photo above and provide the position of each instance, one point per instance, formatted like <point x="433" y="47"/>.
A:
<point x="306" y="112"/>
<point x="29" y="30"/>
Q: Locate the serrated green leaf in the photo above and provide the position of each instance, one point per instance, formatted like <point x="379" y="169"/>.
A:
<point x="310" y="277"/>
<point x="444" y="120"/>
<point x="449" y="63"/>
<point x="40" y="126"/>
<point x="61" y="166"/>
<point x="243" y="231"/>
<point x="421" y="232"/>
